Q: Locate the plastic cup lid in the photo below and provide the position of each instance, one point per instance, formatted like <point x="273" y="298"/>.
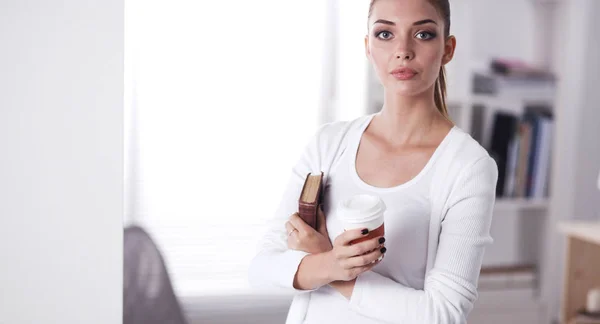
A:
<point x="361" y="208"/>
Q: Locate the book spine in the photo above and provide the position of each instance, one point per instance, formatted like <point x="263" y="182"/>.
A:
<point x="308" y="212"/>
<point x="511" y="166"/>
<point x="534" y="146"/>
<point x="543" y="161"/>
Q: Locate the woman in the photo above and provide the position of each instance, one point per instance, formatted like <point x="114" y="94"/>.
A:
<point x="437" y="182"/>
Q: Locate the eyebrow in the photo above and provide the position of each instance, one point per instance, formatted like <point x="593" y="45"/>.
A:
<point x="416" y="23"/>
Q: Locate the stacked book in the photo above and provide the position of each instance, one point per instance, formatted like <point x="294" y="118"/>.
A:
<point x="515" y="79"/>
<point x="507" y="295"/>
<point x="521" y="146"/>
<point x="507" y="277"/>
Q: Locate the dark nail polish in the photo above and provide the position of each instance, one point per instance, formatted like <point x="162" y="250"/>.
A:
<point x="365" y="231"/>
<point x="383" y="249"/>
<point x="381" y="240"/>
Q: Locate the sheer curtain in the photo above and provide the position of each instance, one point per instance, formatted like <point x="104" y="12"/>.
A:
<point x="221" y="97"/>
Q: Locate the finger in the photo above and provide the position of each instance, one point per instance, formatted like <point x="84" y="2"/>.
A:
<point x="359" y="270"/>
<point x="360" y="248"/>
<point x="300" y="224"/>
<point x="292" y="239"/>
<point x="349" y="236"/>
<point x="289" y="227"/>
<point x="292" y="236"/>
<point x="366" y="259"/>
<point x="321" y="221"/>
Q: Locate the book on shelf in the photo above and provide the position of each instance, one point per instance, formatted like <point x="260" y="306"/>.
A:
<point x="310" y="198"/>
<point x="523" y="140"/>
<point x="515" y="79"/>
<point x="539" y="157"/>
<point x="511" y="165"/>
<point x="503" y="128"/>
<point x="477" y="123"/>
<point x="513" y="287"/>
<point x="526" y="89"/>
<point x="519" y="69"/>
<point x="522" y="146"/>
<point x="508" y="277"/>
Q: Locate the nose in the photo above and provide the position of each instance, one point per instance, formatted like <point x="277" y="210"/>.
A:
<point x="405" y="55"/>
<point x="404" y="49"/>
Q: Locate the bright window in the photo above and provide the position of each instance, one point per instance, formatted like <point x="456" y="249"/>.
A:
<point x="221" y="97"/>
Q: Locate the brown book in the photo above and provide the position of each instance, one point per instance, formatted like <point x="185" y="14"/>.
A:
<point x="311" y="198"/>
<point x="521" y="178"/>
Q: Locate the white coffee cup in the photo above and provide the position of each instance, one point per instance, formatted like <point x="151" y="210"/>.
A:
<point x="363" y="211"/>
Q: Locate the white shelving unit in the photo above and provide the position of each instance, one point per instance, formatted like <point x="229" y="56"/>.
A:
<point x="518" y="227"/>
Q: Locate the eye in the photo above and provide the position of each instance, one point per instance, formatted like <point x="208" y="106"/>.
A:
<point x="385" y="35"/>
<point x="424" y="35"/>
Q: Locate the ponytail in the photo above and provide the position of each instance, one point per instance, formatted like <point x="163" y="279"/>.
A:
<point x="440" y="93"/>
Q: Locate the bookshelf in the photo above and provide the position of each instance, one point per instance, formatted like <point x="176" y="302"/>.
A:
<point x="521" y="204"/>
<point x="519" y="223"/>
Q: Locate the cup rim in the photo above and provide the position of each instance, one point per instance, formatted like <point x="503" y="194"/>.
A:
<point x="361" y="215"/>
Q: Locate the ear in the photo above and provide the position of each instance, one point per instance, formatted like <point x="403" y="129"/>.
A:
<point x="367" y="51"/>
<point x="449" y="48"/>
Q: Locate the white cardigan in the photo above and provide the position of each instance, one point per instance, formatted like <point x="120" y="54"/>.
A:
<point x="463" y="195"/>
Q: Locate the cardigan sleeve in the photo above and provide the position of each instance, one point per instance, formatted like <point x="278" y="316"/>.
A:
<point x="275" y="265"/>
<point x="450" y="287"/>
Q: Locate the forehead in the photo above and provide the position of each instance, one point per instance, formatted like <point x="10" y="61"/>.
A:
<point x="404" y="11"/>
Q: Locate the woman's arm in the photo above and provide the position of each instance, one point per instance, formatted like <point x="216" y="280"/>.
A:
<point x="327" y="263"/>
<point x="450" y="287"/>
<point x="275" y="265"/>
<point x="344" y="287"/>
<point x="310" y="274"/>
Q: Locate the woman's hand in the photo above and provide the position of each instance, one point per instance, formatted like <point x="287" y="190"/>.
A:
<point x="327" y="264"/>
<point x="302" y="237"/>
<point x="345" y="262"/>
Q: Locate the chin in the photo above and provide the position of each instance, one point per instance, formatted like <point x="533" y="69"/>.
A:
<point x="406" y="88"/>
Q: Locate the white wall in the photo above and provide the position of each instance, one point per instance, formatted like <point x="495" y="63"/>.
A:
<point x="61" y="80"/>
<point x="576" y="160"/>
<point x="587" y="201"/>
<point x="492" y="16"/>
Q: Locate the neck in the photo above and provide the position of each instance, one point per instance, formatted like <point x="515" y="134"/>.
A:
<point x="407" y="120"/>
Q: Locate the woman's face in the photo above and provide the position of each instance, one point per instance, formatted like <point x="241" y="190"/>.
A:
<point x="406" y="45"/>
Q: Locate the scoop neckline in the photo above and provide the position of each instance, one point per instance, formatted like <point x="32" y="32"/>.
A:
<point x="354" y="153"/>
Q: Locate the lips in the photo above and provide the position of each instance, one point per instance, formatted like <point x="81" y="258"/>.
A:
<point x="403" y="73"/>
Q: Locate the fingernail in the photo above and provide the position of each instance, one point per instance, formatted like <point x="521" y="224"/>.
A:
<point x="365" y="231"/>
<point x="381" y="240"/>
<point x="383" y="249"/>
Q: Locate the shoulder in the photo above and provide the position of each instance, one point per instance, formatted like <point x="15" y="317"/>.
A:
<point x="467" y="170"/>
<point x="466" y="155"/>
<point x="335" y="134"/>
<point x="329" y="142"/>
